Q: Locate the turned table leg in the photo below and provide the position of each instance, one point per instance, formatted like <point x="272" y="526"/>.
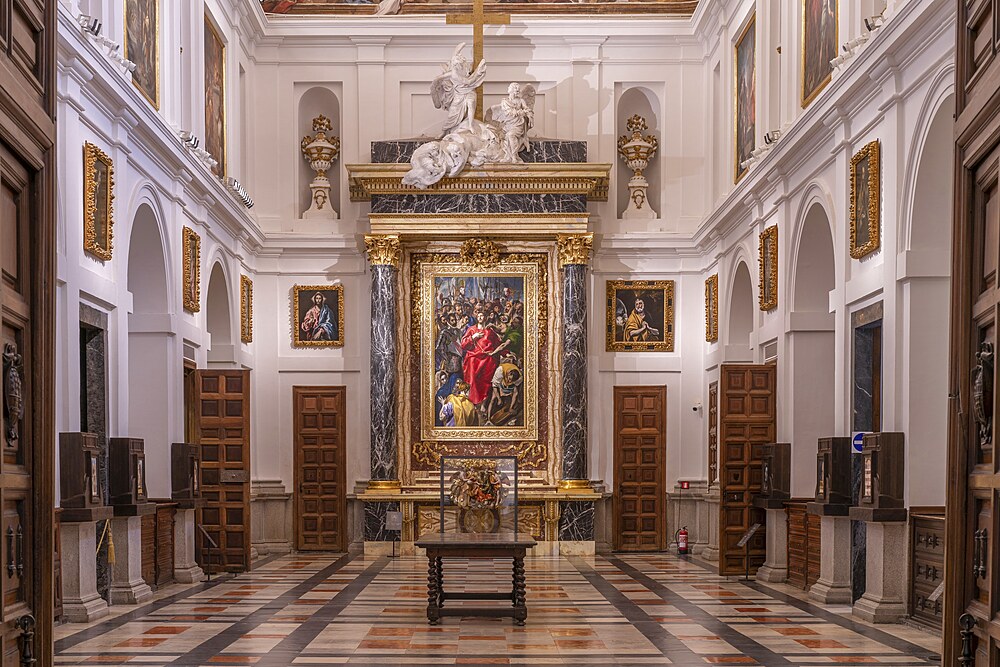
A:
<point x="439" y="566"/>
<point x="520" y="607"/>
<point x="433" y="590"/>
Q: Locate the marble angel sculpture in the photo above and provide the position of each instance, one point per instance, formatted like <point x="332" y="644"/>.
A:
<point x="514" y="116"/>
<point x="455" y="90"/>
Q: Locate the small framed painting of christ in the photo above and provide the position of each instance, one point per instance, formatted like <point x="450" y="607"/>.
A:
<point x="319" y="315"/>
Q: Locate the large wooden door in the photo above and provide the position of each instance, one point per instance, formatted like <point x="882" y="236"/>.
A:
<point x="320" y="478"/>
<point x="223" y="400"/>
<point x="27" y="327"/>
<point x="640" y="437"/>
<point x="746" y="423"/>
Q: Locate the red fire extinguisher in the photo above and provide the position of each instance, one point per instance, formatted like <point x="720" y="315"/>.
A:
<point x="681" y="538"/>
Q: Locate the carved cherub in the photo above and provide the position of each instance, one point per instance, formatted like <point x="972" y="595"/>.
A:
<point x="455" y="90"/>
<point x="514" y="116"/>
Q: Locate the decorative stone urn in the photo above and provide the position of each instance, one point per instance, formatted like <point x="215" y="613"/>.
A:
<point x="320" y="151"/>
<point x="637" y="150"/>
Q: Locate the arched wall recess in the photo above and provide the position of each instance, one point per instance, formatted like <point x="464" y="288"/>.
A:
<point x="642" y="101"/>
<point x="741" y="308"/>
<point x="313" y="101"/>
<point x="219" y="317"/>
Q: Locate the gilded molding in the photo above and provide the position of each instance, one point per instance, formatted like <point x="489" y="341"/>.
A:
<point x="339" y="341"/>
<point x="191" y="283"/>
<point x="768" y="266"/>
<point x="383" y="250"/>
<point x="871" y="154"/>
<point x="246" y="309"/>
<point x="612" y="344"/>
<point x="712" y="308"/>
<point x="574" y="248"/>
<point x="91" y="156"/>
<point x="480" y="253"/>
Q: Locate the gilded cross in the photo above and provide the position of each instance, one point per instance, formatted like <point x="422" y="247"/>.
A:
<point x="478" y="18"/>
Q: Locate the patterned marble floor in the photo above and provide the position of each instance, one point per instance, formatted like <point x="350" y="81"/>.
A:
<point x="615" y="610"/>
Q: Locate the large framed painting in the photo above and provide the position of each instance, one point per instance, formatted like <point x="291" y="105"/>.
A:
<point x="215" y="97"/>
<point x="640" y="316"/>
<point x="246" y="309"/>
<point x="319" y="315"/>
<point x="769" y="268"/>
<point x="142" y="46"/>
<point x="98" y="201"/>
<point x="712" y="308"/>
<point x="745" y="102"/>
<point x="819" y="46"/>
<point x="191" y="283"/>
<point x="866" y="185"/>
<point x="479" y="350"/>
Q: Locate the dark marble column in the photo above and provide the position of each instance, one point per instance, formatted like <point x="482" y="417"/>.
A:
<point x="383" y="253"/>
<point x="574" y="253"/>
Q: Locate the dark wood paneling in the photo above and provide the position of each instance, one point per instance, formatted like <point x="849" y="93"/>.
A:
<point x="926" y="602"/>
<point x="804" y="545"/>
<point x="713" y="433"/>
<point x="149" y="550"/>
<point x="164" y="553"/>
<point x="639" y="459"/>
<point x="320" y="477"/>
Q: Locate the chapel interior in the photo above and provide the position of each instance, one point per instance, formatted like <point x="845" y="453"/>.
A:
<point x="437" y="332"/>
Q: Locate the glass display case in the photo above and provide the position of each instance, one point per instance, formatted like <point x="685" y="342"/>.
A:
<point x="478" y="494"/>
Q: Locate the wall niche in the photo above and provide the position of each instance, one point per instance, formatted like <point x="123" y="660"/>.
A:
<point x="313" y="101"/>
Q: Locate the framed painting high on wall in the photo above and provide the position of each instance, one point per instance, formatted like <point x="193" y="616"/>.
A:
<point x="246" y="309"/>
<point x="712" y="308"/>
<point x="191" y="283"/>
<point x="98" y="201"/>
<point x="745" y="96"/>
<point x="215" y="97"/>
<point x="640" y="316"/>
<point x="819" y="46"/>
<point x="866" y="186"/>
<point x="142" y="46"/>
<point x="769" y="268"/>
<point x="318" y="315"/>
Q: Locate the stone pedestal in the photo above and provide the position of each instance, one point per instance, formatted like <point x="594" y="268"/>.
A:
<point x="186" y="570"/>
<point x="81" y="603"/>
<point x="127" y="585"/>
<point x="711" y="550"/>
<point x="775" y="568"/>
<point x="884" y="600"/>
<point x="834" y="584"/>
<point x="271" y="521"/>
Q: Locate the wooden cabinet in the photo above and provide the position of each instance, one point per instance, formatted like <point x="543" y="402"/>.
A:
<point x="926" y="599"/>
<point x="158" y="545"/>
<point x="803" y="545"/>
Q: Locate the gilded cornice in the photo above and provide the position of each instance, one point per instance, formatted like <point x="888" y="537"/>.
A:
<point x="574" y="248"/>
<point x="383" y="250"/>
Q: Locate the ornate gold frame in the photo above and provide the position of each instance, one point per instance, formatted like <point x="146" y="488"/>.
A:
<point x="806" y="99"/>
<point x="769" y="269"/>
<point x="91" y="155"/>
<point x="192" y="271"/>
<point x="510" y="265"/>
<point x="751" y="25"/>
<point x="611" y="294"/>
<point x="223" y="163"/>
<point x="154" y="102"/>
<point x="246" y="309"/>
<point x="871" y="153"/>
<point x="339" y="342"/>
<point x="712" y="308"/>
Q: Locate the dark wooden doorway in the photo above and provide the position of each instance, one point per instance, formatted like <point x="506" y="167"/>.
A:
<point x="320" y="476"/>
<point x="746" y="423"/>
<point x="223" y="428"/>
<point x="639" y="459"/>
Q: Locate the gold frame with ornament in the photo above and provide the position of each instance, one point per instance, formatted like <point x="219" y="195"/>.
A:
<point x="712" y="308"/>
<point x="751" y="26"/>
<point x="667" y="344"/>
<point x="246" y="309"/>
<point x="191" y="270"/>
<point x="768" y="269"/>
<point x="297" y="315"/>
<point x="155" y="100"/>
<point x="807" y="98"/>
<point x="223" y="163"/>
<point x="871" y="154"/>
<point x="91" y="156"/>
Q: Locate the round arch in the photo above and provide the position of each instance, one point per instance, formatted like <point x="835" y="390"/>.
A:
<point x="219" y="316"/>
<point x="741" y="309"/>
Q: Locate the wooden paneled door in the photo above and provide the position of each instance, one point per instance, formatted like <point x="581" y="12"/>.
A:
<point x="223" y="427"/>
<point x="27" y="327"/>
<point x="320" y="477"/>
<point x="639" y="459"/>
<point x="746" y="423"/>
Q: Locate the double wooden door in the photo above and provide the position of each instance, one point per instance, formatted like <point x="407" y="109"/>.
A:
<point x="27" y="328"/>
<point x="746" y="424"/>
<point x="639" y="496"/>
<point x="320" y="478"/>
<point x="222" y="403"/>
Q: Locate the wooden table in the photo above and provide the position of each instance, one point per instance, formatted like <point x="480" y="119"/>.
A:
<point x="469" y="545"/>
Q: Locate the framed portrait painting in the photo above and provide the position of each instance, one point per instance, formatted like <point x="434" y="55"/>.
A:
<point x="819" y="46"/>
<point x="246" y="309"/>
<point x="712" y="308"/>
<point x="479" y="340"/>
<point x="142" y="46"/>
<point x="98" y="201"/>
<point x="640" y="316"/>
<point x="319" y="315"/>
<point x="745" y="99"/>
<point x="769" y="268"/>
<point x="215" y="97"/>
<point x="866" y="185"/>
<point x="191" y="284"/>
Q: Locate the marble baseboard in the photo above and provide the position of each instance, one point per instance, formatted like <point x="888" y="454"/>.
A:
<point x="374" y="525"/>
<point x="541" y="150"/>
<point x="576" y="521"/>
<point x="272" y="527"/>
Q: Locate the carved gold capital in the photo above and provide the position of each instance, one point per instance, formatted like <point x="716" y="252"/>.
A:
<point x="574" y="248"/>
<point x="383" y="250"/>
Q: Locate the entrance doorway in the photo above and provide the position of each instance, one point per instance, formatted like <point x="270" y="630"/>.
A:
<point x="320" y="478"/>
<point x="639" y="493"/>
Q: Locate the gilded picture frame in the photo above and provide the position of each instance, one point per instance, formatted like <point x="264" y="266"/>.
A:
<point x="98" y="202"/>
<point x="486" y="400"/>
<point x="191" y="283"/>
<point x="712" y="308"/>
<point x="768" y="264"/>
<point x="318" y="315"/>
<point x="866" y="187"/>
<point x="215" y="98"/>
<point x="142" y="46"/>
<point x="246" y="309"/>
<point x="640" y="316"/>
<point x="744" y="97"/>
<point x="818" y="45"/>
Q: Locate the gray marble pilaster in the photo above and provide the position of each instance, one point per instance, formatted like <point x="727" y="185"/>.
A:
<point x="576" y="521"/>
<point x="383" y="373"/>
<point x="574" y="369"/>
<point x="375" y="518"/>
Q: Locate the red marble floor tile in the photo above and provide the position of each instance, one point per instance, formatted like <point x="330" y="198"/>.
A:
<point x="820" y="643"/>
<point x="242" y="659"/>
<point x="730" y="660"/>
<point x="859" y="659"/>
<point x="167" y="630"/>
<point x="106" y="659"/>
<point x="141" y="642"/>
<point x="384" y="643"/>
<point x="792" y="632"/>
<point x="580" y="643"/>
<point x="752" y="610"/>
<point x="391" y="632"/>
<point x="571" y="632"/>
<point x="210" y="609"/>
<point x="770" y="619"/>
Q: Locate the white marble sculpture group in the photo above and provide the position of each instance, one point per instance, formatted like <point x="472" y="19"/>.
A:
<point x="466" y="141"/>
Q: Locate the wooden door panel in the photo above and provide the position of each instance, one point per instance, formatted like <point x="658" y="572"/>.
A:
<point x="320" y="474"/>
<point x="639" y="494"/>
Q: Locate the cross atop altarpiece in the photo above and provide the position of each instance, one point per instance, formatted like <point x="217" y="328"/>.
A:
<point x="478" y="18"/>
